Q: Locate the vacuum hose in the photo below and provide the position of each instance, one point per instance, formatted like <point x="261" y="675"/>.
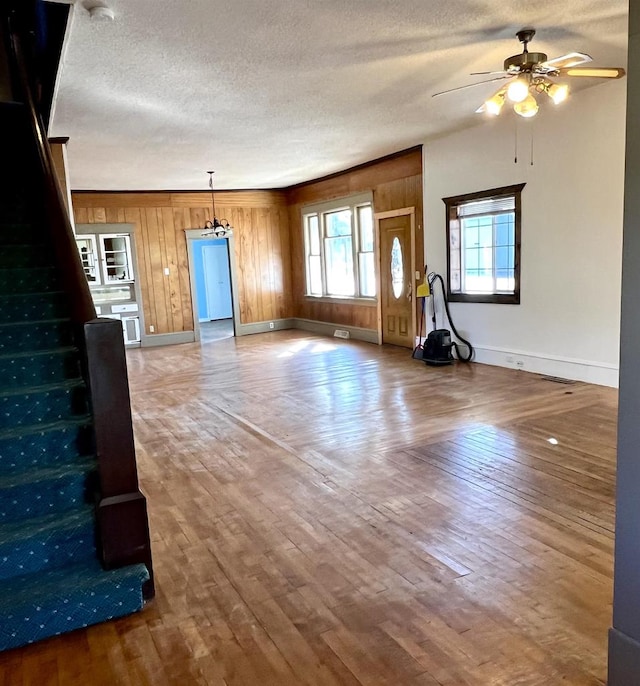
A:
<point x="432" y="278"/>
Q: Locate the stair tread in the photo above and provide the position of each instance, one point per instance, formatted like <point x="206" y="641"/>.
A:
<point x="40" y="605"/>
<point x="47" y="542"/>
<point x="61" y="350"/>
<point x="85" y="466"/>
<point x="20" y="530"/>
<point x="80" y="420"/>
<point x="31" y="295"/>
<point x="42" y="388"/>
<point x="31" y="322"/>
<point x="68" y="579"/>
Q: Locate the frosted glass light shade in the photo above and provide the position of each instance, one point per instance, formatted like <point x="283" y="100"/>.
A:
<point x="494" y="104"/>
<point x="558" y="92"/>
<point x="527" y="108"/>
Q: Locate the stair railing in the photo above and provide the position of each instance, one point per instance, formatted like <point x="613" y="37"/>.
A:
<point x="121" y="510"/>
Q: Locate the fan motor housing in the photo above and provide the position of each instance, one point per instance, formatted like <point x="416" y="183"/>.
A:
<point x="524" y="62"/>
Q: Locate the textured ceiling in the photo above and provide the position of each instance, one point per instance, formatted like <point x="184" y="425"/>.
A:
<point x="269" y="93"/>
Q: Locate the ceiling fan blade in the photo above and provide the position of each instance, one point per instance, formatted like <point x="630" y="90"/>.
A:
<point x="471" y="85"/>
<point x="594" y="72"/>
<point x="487" y="73"/>
<point x="571" y="59"/>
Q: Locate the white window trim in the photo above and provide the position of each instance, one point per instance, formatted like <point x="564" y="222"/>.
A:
<point x="351" y="202"/>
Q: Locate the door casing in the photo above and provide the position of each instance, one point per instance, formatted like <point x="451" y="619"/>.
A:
<point x="404" y="211"/>
<point x="195" y="235"/>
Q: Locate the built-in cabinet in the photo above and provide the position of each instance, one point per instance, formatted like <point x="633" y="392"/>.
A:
<point x="107" y="257"/>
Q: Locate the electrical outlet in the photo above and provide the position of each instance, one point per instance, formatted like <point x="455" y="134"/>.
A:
<point x="509" y="359"/>
<point x="271" y="325"/>
<point x="152" y="328"/>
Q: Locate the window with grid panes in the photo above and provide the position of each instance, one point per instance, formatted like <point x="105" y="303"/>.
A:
<point x="483" y="239"/>
<point x="339" y="247"/>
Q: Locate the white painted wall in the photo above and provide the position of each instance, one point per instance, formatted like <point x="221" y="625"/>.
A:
<point x="568" y="321"/>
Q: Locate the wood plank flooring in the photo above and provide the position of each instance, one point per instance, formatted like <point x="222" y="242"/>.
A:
<point x="334" y="513"/>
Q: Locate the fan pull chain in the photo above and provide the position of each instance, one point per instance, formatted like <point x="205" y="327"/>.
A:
<point x="515" y="158"/>
<point x="531" y="154"/>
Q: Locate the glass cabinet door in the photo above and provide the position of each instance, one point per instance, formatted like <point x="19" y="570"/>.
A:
<point x="116" y="257"/>
<point x="89" y="258"/>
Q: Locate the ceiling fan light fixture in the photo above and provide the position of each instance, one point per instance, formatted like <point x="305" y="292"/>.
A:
<point x="494" y="105"/>
<point x="518" y="90"/>
<point x="527" y="108"/>
<point x="558" y="92"/>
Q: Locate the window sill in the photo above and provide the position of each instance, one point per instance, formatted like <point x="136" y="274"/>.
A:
<point x="496" y="298"/>
<point x="340" y="300"/>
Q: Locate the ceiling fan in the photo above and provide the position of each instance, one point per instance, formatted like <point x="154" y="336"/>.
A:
<point x="529" y="73"/>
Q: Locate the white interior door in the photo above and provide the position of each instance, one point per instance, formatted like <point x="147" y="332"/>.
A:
<point x="217" y="281"/>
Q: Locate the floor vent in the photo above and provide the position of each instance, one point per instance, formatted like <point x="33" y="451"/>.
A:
<point x="341" y="333"/>
<point x="558" y="379"/>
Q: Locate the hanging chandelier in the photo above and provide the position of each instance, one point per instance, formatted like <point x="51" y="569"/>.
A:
<point x="220" y="228"/>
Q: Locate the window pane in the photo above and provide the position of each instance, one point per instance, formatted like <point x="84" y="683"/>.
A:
<point x="470" y="233"/>
<point x="315" y="275"/>
<point x="365" y="221"/>
<point x="502" y="257"/>
<point x="471" y="258"/>
<point x="505" y="229"/>
<point x="397" y="268"/>
<point x="454" y="259"/>
<point x="367" y="275"/>
<point x="313" y="230"/>
<point x="505" y="281"/>
<point x="456" y="287"/>
<point x="485" y="234"/>
<point x="485" y="258"/>
<point x="339" y="266"/>
<point x="478" y="281"/>
<point x="338" y="223"/>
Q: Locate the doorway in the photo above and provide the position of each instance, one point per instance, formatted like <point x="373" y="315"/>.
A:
<point x="212" y="278"/>
<point x="396" y="310"/>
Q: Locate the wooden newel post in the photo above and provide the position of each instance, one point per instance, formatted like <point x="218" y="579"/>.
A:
<point x="123" y="529"/>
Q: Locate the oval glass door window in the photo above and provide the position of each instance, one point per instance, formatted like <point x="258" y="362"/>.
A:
<point x="397" y="270"/>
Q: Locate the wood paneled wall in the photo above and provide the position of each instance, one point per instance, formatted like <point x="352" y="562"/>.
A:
<point x="261" y="238"/>
<point x="269" y="249"/>
<point x="396" y="182"/>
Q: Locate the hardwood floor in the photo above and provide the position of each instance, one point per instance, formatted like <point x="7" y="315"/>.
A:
<point x="330" y="512"/>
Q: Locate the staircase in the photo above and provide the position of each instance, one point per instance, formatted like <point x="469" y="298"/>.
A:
<point x="51" y="580"/>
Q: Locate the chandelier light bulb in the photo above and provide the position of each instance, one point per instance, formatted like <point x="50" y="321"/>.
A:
<point x="527" y="108"/>
<point x="518" y="90"/>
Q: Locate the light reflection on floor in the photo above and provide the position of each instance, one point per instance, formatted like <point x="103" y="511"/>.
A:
<point x="216" y="330"/>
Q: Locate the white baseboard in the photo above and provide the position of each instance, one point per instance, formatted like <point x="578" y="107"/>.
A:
<point x="598" y="373"/>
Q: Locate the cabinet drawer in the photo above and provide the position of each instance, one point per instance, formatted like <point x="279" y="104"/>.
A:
<point x="132" y="307"/>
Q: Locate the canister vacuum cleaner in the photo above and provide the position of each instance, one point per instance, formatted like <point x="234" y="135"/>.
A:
<point x="438" y="347"/>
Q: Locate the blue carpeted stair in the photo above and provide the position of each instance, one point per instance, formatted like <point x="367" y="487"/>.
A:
<point x="50" y="578"/>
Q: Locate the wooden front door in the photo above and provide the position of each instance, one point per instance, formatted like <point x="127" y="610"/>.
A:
<point x="396" y="280"/>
